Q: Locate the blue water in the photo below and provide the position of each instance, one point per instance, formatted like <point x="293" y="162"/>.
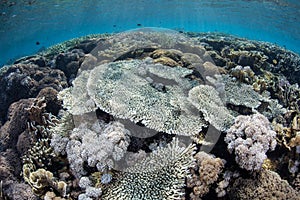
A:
<point x="30" y="25"/>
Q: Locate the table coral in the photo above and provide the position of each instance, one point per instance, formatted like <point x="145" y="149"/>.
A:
<point x="123" y="90"/>
<point x="206" y="99"/>
<point x="247" y="96"/>
<point x="250" y="138"/>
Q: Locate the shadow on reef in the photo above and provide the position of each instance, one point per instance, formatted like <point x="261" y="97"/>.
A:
<point x="151" y="115"/>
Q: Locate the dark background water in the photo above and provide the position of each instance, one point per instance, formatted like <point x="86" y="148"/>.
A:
<point x="26" y="26"/>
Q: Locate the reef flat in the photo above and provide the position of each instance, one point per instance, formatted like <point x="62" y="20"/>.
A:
<point x="151" y="114"/>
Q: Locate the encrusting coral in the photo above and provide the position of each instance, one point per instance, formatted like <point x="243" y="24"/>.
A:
<point x="159" y="176"/>
<point x="250" y="138"/>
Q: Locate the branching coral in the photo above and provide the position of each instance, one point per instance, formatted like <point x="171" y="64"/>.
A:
<point x="250" y="138"/>
<point x="40" y="154"/>
<point x="159" y="176"/>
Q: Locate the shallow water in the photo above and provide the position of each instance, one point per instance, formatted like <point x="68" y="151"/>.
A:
<point x="28" y="26"/>
<point x="156" y="100"/>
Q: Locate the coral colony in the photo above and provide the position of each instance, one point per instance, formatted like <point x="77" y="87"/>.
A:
<point x="151" y="114"/>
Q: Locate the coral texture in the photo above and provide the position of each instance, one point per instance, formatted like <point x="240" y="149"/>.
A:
<point x="41" y="179"/>
<point x="250" y="138"/>
<point x="247" y="96"/>
<point x="206" y="99"/>
<point x="266" y="185"/>
<point x="100" y="146"/>
<point x="22" y="81"/>
<point x="204" y="173"/>
<point x="159" y="176"/>
<point x="151" y="94"/>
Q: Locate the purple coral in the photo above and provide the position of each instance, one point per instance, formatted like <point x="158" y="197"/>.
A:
<point x="250" y="137"/>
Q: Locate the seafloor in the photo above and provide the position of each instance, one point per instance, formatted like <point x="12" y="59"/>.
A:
<point x="151" y="114"/>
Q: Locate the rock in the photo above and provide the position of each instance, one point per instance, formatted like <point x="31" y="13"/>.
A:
<point x="15" y="125"/>
<point x="22" y="81"/>
<point x="69" y="62"/>
<point x="50" y="95"/>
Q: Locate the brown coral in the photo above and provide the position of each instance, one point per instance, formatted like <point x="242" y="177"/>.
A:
<point x="41" y="179"/>
<point x="266" y="185"/>
<point x="22" y="81"/>
<point x="204" y="173"/>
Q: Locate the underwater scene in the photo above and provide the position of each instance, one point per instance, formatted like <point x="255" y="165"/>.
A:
<point x="149" y="100"/>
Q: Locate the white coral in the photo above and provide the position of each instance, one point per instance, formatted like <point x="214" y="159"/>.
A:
<point x="250" y="137"/>
<point x="97" y="145"/>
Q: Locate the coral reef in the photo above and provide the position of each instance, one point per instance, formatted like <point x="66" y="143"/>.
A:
<point x="266" y="185"/>
<point x="247" y="96"/>
<point x="100" y="145"/>
<point x="250" y="138"/>
<point x="206" y="99"/>
<point x="15" y="125"/>
<point x="129" y="92"/>
<point x="205" y="172"/>
<point x="21" y="81"/>
<point x="76" y="99"/>
<point x="69" y="62"/>
<point x="136" y="100"/>
<point x="159" y="176"/>
<point x="41" y="179"/>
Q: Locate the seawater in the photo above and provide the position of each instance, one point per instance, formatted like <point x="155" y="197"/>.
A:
<point x="28" y="26"/>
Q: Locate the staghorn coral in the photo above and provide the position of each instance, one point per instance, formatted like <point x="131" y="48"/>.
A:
<point x="250" y="138"/>
<point x="265" y="185"/>
<point x="204" y="174"/>
<point x="206" y="99"/>
<point x="159" y="176"/>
